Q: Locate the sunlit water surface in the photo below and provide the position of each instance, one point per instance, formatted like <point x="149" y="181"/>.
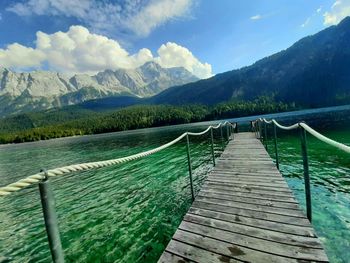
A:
<point x="330" y="186"/>
<point x="128" y="212"/>
<point x="123" y="213"/>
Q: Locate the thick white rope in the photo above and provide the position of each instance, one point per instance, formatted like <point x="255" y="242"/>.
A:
<point x="211" y="127"/>
<point x="310" y="130"/>
<point x="291" y="127"/>
<point x="325" y="139"/>
<point x="36" y="178"/>
<point x="199" y="133"/>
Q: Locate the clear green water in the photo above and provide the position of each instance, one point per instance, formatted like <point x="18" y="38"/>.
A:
<point x="128" y="213"/>
<point x="330" y="186"/>
<point x="125" y="213"/>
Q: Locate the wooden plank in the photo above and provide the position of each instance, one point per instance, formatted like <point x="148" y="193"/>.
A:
<point x="244" y="212"/>
<point x="236" y="189"/>
<point x="247" y="174"/>
<point x="253" y="207"/>
<point x="249" y="188"/>
<point x="172" y="258"/>
<point x="242" y="178"/>
<point x="265" y="197"/>
<point x="303" y="230"/>
<point x="255" y="244"/>
<point x="257" y="233"/>
<point x="195" y="253"/>
<point x="227" y="249"/>
<point x="233" y="180"/>
<point x="251" y="213"/>
<point x="244" y="199"/>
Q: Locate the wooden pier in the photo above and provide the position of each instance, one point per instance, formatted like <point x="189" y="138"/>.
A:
<point x="245" y="212"/>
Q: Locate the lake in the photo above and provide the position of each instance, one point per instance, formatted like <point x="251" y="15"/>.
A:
<point x="128" y="212"/>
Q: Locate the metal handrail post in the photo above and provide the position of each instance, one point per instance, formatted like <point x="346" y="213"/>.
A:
<point x="254" y="129"/>
<point x="50" y="218"/>
<point x="222" y="137"/>
<point x="276" y="148"/>
<point x="189" y="165"/>
<point x="260" y="131"/>
<point x="212" y="145"/>
<point x="227" y="133"/>
<point x="265" y="134"/>
<point x="233" y="132"/>
<point x="306" y="173"/>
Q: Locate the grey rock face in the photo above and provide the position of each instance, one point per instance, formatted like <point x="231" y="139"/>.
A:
<point x="38" y="90"/>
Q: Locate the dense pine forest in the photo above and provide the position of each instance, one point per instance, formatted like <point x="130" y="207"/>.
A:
<point x="72" y="121"/>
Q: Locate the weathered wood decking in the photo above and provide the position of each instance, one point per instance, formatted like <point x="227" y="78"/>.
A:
<point x="244" y="212"/>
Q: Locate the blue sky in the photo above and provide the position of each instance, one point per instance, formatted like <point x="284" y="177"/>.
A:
<point x="204" y="36"/>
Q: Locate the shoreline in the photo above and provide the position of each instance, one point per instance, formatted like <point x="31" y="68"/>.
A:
<point x="286" y="114"/>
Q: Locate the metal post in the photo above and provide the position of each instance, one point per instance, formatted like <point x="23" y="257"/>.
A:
<point x="236" y="127"/>
<point x="227" y="135"/>
<point x="276" y="148"/>
<point x="233" y="132"/>
<point x="306" y="174"/>
<point x="260" y="130"/>
<point x="222" y="136"/>
<point x="50" y="218"/>
<point x="189" y="165"/>
<point x="212" y="145"/>
<point x="265" y="137"/>
<point x="254" y="128"/>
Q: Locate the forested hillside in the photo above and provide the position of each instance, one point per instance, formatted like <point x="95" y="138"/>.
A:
<point x="314" y="72"/>
<point x="72" y="121"/>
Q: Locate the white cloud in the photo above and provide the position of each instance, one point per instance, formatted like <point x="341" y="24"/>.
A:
<point x="18" y="56"/>
<point x="137" y="16"/>
<point x="173" y="55"/>
<point x="340" y="9"/>
<point x="307" y="21"/>
<point x="158" y="13"/>
<point x="256" y="17"/>
<point x="319" y="9"/>
<point x="79" y="51"/>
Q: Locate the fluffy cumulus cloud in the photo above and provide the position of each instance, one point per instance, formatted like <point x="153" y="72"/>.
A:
<point x="79" y="51"/>
<point x="137" y="16"/>
<point x="173" y="55"/>
<point x="20" y="57"/>
<point x="340" y="9"/>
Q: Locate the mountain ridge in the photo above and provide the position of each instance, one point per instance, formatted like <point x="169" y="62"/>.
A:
<point x="39" y="90"/>
<point x="313" y="72"/>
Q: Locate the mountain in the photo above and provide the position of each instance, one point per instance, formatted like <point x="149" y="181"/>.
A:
<point x="313" y="72"/>
<point x="24" y="92"/>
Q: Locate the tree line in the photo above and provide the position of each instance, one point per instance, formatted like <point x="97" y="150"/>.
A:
<point x="63" y="123"/>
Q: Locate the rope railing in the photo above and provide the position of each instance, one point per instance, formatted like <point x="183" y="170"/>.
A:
<point x="47" y="196"/>
<point x="313" y="132"/>
<point x="303" y="127"/>
<point x="36" y="178"/>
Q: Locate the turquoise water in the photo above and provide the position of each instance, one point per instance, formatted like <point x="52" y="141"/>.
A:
<point x="124" y="213"/>
<point x="128" y="213"/>
<point x="330" y="186"/>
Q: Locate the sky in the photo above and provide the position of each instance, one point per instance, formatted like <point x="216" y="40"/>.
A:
<point x="204" y="36"/>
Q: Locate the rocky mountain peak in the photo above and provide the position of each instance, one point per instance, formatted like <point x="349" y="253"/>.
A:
<point x="43" y="89"/>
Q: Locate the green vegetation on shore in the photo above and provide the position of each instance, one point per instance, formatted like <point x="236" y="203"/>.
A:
<point x="75" y="121"/>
